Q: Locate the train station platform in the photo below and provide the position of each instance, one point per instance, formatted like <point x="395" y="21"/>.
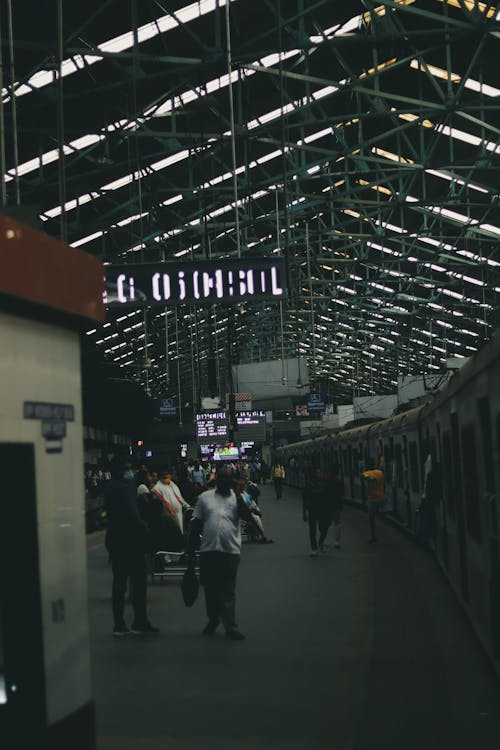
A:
<point x="361" y="648"/>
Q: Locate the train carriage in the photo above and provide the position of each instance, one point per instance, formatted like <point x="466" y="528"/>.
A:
<point x="442" y="476"/>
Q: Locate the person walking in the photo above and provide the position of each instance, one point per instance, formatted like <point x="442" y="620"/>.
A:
<point x="126" y="542"/>
<point x="317" y="510"/>
<point x="278" y="475"/>
<point x="217" y="513"/>
<point x="336" y="488"/>
<point x="375" y="494"/>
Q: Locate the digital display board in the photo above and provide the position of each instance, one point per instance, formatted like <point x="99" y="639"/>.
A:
<point x="199" y="281"/>
<point x="251" y="426"/>
<point x="212" y="425"/>
<point x="226" y="453"/>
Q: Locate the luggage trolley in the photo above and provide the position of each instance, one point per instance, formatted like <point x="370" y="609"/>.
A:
<point x="172" y="564"/>
<point x="173" y="567"/>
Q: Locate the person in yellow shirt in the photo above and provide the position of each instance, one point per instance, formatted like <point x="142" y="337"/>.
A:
<point x="278" y="475"/>
<point x="375" y="494"/>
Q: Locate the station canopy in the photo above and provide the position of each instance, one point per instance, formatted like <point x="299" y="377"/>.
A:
<point x="358" y="140"/>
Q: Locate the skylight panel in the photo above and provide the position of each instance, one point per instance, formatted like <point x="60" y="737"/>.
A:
<point x="390" y="155"/>
<point x="490" y="229"/>
<point x="315" y="136"/>
<point x="451" y="293"/>
<point x="460" y="135"/>
<point x="471" y="6"/>
<point x="451" y="178"/>
<point x="425" y="67"/>
<point x="89" y="238"/>
<point x="453" y="215"/>
<point x="481" y="88"/>
<point x="119" y="44"/>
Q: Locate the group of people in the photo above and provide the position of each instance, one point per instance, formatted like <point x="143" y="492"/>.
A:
<point x="179" y="510"/>
<point x="147" y="512"/>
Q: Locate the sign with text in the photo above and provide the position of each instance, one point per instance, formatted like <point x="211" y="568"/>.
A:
<point x="315" y="403"/>
<point x="198" y="281"/>
<point x="211" y="425"/>
<point x="251" y="425"/>
<point x="45" y="410"/>
<point x="167" y="407"/>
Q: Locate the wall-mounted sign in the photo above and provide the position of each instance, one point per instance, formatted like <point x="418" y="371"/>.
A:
<point x="44" y="410"/>
<point x="53" y="430"/>
<point x="315" y="403"/>
<point x="206" y="281"/>
<point x="53" y="418"/>
<point x="167" y="407"/>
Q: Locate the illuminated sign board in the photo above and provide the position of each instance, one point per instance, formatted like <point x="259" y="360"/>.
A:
<point x="315" y="403"/>
<point x="200" y="282"/>
<point x="211" y="425"/>
<point x="251" y="425"/>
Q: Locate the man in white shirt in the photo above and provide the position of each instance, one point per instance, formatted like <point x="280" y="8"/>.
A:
<point x="218" y="513"/>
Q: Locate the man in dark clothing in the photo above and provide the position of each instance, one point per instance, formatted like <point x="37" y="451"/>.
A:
<point x="317" y="508"/>
<point x="126" y="541"/>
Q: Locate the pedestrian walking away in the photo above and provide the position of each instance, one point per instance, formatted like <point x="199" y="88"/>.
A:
<point x="317" y="510"/>
<point x="336" y="489"/>
<point x="278" y="475"/>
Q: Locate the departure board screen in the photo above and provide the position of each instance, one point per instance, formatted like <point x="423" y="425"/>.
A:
<point x="251" y="425"/>
<point x="212" y="425"/>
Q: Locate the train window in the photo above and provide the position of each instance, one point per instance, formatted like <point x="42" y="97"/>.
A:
<point x="449" y="494"/>
<point x="483" y="408"/>
<point x="414" y="470"/>
<point x="399" y="465"/>
<point x="471" y="478"/>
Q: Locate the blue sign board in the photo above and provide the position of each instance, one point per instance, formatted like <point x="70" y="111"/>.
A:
<point x="315" y="403"/>
<point x="168" y="407"/>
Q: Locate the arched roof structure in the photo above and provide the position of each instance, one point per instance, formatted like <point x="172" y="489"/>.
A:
<point x="359" y="140"/>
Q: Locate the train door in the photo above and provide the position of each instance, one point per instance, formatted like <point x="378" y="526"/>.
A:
<point x="406" y="482"/>
<point x="351" y="475"/>
<point x="456" y="484"/>
<point x="397" y="484"/>
<point x="22" y="676"/>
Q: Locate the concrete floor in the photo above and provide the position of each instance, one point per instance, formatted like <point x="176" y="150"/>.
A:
<point x="362" y="648"/>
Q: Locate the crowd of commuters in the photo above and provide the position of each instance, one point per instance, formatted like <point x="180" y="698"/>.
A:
<point x="190" y="510"/>
<point x="179" y="509"/>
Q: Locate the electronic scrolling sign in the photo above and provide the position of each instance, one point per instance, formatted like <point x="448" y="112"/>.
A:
<point x="199" y="282"/>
